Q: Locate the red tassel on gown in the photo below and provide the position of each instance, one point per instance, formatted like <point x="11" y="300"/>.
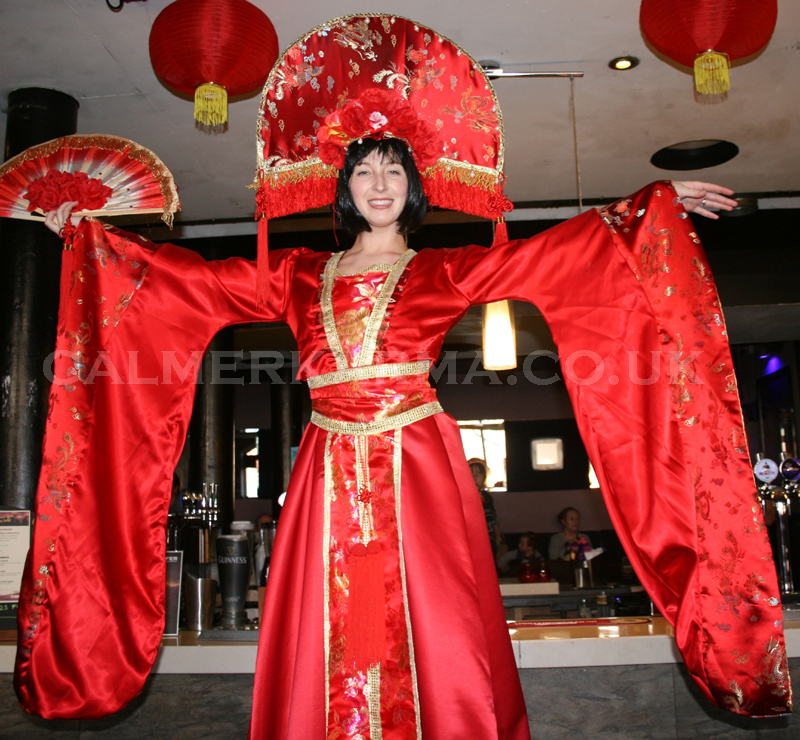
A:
<point x="671" y="457"/>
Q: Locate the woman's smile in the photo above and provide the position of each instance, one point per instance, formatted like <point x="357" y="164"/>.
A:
<point x="379" y="188"/>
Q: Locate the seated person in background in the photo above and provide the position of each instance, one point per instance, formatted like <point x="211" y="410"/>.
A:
<point x="526" y="552"/>
<point x="570" y="520"/>
<point x="479" y="474"/>
<point x="264" y="519"/>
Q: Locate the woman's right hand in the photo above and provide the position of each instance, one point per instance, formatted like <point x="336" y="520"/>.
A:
<point x="55" y="220"/>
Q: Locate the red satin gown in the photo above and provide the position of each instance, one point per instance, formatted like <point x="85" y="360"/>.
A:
<point x="383" y="618"/>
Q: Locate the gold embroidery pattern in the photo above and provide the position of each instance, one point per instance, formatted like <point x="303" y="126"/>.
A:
<point x="736" y="586"/>
<point x="373" y="693"/>
<point x="357" y="428"/>
<point x="350" y="328"/>
<point x="398" y="474"/>
<point x="376" y="318"/>
<point x="363" y="486"/>
<point x="774" y="672"/>
<point x="377" y="267"/>
<point x="369" y="372"/>
<point x="326" y="544"/>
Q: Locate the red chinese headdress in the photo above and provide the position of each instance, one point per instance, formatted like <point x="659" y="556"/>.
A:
<point x="376" y="75"/>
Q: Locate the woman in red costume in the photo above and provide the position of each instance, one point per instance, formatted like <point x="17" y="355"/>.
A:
<point x="373" y="628"/>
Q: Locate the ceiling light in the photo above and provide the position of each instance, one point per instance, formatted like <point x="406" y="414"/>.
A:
<point x="499" y="338"/>
<point x="694" y="155"/>
<point x="623" y="63"/>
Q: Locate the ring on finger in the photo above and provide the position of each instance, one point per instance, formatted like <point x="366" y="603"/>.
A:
<point x="703" y="203"/>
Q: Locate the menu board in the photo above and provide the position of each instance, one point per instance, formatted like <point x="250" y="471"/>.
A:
<point x="15" y="537"/>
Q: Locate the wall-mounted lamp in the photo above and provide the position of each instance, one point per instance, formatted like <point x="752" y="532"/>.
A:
<point x="547" y="454"/>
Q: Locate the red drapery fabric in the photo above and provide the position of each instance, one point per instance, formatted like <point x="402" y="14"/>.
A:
<point x="632" y="291"/>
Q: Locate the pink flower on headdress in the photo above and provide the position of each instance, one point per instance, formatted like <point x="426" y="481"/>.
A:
<point x="377" y="120"/>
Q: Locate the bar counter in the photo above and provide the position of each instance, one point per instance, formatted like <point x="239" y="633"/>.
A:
<point x="621" y="679"/>
<point x="558" y="644"/>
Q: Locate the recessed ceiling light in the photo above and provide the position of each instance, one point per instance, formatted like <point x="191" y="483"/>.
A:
<point x="694" y="155"/>
<point x="622" y="63"/>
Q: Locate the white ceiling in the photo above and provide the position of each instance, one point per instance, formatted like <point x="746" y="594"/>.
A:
<point x="101" y="58"/>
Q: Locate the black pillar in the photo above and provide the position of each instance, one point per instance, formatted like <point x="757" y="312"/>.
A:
<point x="28" y="303"/>
<point x="287" y="413"/>
<point x="211" y="431"/>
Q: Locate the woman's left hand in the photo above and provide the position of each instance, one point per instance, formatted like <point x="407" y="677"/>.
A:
<point x="698" y="197"/>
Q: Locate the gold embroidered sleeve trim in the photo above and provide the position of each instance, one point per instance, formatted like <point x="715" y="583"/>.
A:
<point x="369" y="372"/>
<point x="379" y="426"/>
<point x="326" y="308"/>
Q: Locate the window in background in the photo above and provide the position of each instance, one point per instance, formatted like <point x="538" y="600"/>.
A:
<point x="486" y="439"/>
<point x="251" y="470"/>
<point x="593" y="480"/>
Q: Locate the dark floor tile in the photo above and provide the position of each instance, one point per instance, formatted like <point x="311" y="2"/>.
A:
<point x="17" y="724"/>
<point x="697" y="719"/>
<point x="181" y="707"/>
<point x="620" y="702"/>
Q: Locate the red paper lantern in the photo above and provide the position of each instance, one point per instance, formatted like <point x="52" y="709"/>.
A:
<point x="706" y="34"/>
<point x="213" y="48"/>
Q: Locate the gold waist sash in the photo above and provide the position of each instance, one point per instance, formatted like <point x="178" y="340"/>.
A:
<point x="368" y="372"/>
<point x="366" y="428"/>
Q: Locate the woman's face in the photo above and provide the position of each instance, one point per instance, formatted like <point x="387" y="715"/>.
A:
<point x="379" y="189"/>
<point x="571" y="521"/>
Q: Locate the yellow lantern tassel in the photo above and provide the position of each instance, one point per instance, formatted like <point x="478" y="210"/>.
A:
<point x="211" y="104"/>
<point x="711" y="73"/>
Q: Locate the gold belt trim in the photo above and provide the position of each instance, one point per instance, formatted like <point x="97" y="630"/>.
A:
<point x="379" y="425"/>
<point x="368" y="372"/>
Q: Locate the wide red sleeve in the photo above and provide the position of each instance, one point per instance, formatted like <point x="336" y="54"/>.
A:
<point x="635" y="313"/>
<point x="134" y="323"/>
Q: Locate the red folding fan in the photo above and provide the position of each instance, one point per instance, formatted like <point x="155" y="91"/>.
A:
<point x="107" y="175"/>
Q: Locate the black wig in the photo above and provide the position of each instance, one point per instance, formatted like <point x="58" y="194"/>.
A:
<point x="393" y="150"/>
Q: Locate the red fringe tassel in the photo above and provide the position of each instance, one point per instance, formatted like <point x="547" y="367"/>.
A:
<point x="365" y="628"/>
<point x="459" y="196"/>
<point x="294" y="197"/>
<point x="262" y="265"/>
<point x="500" y="233"/>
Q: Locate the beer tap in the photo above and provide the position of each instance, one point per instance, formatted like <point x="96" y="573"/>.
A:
<point x="790" y="472"/>
<point x="767" y="471"/>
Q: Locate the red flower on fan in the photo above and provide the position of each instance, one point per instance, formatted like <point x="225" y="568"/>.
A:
<point x="378" y="113"/>
<point x="55" y="188"/>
